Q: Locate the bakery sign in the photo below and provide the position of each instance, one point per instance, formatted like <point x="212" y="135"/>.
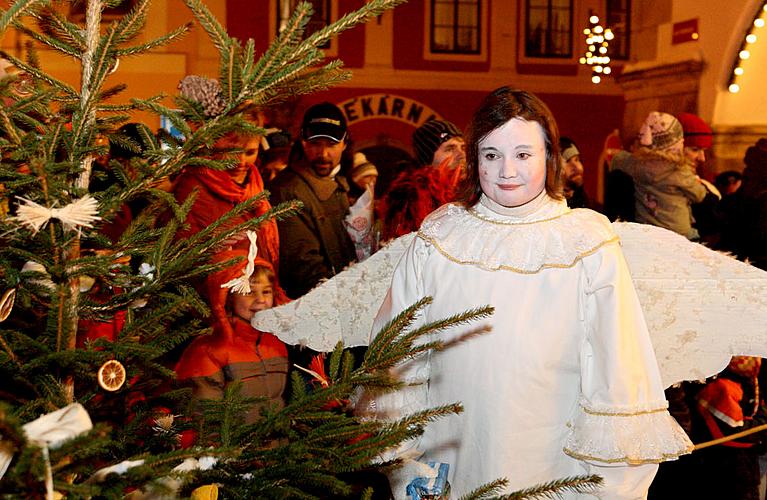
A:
<point x="387" y="106"/>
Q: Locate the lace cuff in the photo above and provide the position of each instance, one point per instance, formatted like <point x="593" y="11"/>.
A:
<point x="639" y="437"/>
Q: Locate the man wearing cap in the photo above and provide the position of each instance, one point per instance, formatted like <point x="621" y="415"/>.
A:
<point x="314" y="243"/>
<point x="439" y="142"/>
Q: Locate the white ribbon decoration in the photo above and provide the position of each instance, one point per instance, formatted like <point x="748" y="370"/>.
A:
<point x="82" y="212"/>
<point x="241" y="284"/>
<point x="49" y="432"/>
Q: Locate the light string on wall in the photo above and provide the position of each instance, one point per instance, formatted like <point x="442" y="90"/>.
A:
<point x="597" y="40"/>
<point x="744" y="53"/>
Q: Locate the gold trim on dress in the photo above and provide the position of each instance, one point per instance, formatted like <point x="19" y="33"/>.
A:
<point x="627" y="460"/>
<point x="622" y="414"/>
<point x="577" y="259"/>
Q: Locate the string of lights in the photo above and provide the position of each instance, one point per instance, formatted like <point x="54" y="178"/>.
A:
<point x="744" y="53"/>
<point x="597" y="40"/>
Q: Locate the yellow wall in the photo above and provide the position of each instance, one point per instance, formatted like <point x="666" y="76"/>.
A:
<point x="149" y="74"/>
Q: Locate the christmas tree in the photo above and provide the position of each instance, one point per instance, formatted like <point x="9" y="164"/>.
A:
<point x="60" y="274"/>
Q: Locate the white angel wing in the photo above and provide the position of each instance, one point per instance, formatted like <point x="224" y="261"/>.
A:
<point x="701" y="306"/>
<point x="340" y="309"/>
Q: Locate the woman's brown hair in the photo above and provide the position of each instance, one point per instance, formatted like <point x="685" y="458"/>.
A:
<point x="500" y="106"/>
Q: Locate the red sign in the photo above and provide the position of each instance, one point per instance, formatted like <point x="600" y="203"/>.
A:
<point x="685" y="31"/>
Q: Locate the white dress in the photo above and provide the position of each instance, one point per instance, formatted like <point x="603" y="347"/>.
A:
<point x="564" y="383"/>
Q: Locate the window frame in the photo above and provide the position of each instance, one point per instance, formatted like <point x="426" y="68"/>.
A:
<point x="525" y="35"/>
<point x="456" y="4"/>
<point x="626" y="35"/>
<point x="482" y="36"/>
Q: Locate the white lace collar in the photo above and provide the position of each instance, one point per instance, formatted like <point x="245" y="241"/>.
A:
<point x="541" y="234"/>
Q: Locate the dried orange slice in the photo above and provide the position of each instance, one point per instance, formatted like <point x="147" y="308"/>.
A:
<point x="6" y="303"/>
<point x="111" y="375"/>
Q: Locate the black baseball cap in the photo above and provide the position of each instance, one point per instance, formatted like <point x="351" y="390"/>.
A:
<point x="324" y="120"/>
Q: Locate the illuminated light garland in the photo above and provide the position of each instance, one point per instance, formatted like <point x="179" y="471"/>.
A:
<point x="744" y="53"/>
<point x="597" y="42"/>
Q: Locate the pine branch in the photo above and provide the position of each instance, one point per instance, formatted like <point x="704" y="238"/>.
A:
<point x="153" y="44"/>
<point x="231" y="71"/>
<point x="16" y="10"/>
<point x="51" y="42"/>
<point x="282" y="47"/>
<point x="489" y="490"/>
<point x="320" y="37"/>
<point x="58" y="27"/>
<point x="392" y="329"/>
<point x="553" y="489"/>
<point x="53" y="82"/>
<point x="210" y="24"/>
<point x="131" y="24"/>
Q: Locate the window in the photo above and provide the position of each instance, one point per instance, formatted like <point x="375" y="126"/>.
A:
<point x="548" y="30"/>
<point x="320" y="18"/>
<point x="619" y="21"/>
<point x="455" y="27"/>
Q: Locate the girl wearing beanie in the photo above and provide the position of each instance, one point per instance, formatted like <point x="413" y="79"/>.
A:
<point x="664" y="186"/>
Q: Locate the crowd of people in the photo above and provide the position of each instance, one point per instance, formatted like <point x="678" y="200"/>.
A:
<point x="485" y="207"/>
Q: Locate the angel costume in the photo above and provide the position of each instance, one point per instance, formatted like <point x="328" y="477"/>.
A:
<point x="564" y="383"/>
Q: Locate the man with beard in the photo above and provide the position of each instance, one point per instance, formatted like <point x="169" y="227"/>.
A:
<point x="573" y="174"/>
<point x="314" y="243"/>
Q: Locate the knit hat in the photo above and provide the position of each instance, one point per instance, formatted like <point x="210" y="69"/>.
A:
<point x="429" y="137"/>
<point x="697" y="133"/>
<point x="660" y="131"/>
<point x="567" y="148"/>
<point x="218" y="292"/>
<point x="361" y="167"/>
<point x="324" y="120"/>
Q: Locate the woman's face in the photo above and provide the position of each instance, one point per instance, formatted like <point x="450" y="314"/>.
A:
<point x="512" y="163"/>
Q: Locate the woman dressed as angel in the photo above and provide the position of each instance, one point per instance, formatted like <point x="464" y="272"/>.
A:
<point x="565" y="382"/>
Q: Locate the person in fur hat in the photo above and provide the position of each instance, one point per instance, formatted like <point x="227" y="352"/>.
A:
<point x="664" y="186"/>
<point x="235" y="351"/>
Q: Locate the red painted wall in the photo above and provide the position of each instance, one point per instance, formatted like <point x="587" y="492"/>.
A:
<point x="248" y="19"/>
<point x="409" y="43"/>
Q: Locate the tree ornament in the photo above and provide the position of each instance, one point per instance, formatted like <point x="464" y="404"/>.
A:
<point x="206" y="91"/>
<point x="6" y="303"/>
<point x="241" y="284"/>
<point x="82" y="212"/>
<point x="206" y="492"/>
<point x="111" y="375"/>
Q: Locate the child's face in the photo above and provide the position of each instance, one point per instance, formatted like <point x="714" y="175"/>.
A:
<point x="261" y="297"/>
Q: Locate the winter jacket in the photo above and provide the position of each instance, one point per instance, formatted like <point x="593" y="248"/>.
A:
<point x="259" y="360"/>
<point x="663" y="191"/>
<point x="314" y="243"/>
<point x="218" y="194"/>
